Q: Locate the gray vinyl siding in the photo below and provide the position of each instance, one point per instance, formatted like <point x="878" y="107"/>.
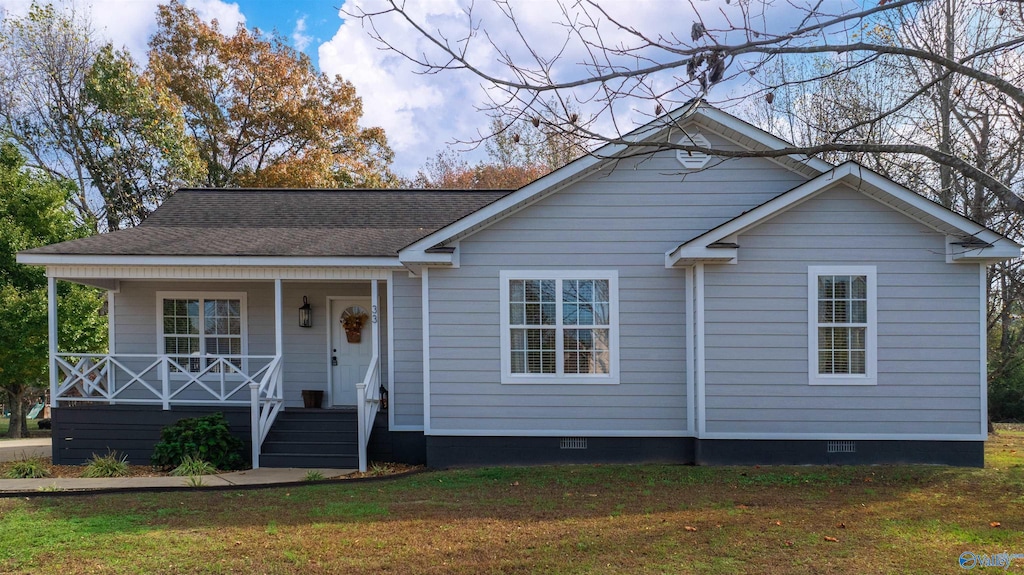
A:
<point x="757" y="327"/>
<point x="406" y="399"/>
<point x="622" y="219"/>
<point x="306" y="357"/>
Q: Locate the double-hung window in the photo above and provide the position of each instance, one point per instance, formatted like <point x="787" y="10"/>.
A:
<point x="842" y="325"/>
<point x="196" y="328"/>
<point x="559" y="327"/>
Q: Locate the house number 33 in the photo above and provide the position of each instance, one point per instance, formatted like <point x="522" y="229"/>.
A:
<point x="373" y="314"/>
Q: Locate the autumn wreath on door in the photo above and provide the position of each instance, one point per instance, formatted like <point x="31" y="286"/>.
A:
<point x="353" y="319"/>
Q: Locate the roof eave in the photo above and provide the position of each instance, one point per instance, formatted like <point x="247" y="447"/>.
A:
<point x="38" y="259"/>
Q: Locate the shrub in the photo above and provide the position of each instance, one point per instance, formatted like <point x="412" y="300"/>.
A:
<point x="28" y="469"/>
<point x="207" y="438"/>
<point x="1006" y="397"/>
<point x="193" y="466"/>
<point x="314" y="475"/>
<point x="109" y="465"/>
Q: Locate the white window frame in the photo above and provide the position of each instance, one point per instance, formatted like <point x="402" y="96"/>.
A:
<point x="610" y="378"/>
<point x="870" y="375"/>
<point x="202" y="296"/>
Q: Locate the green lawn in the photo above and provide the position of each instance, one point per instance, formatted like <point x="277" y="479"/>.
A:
<point x="33" y="428"/>
<point x="569" y="519"/>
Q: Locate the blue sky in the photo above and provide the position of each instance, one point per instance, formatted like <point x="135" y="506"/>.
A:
<point x="319" y="21"/>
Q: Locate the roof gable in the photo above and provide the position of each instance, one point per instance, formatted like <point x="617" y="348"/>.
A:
<point x="702" y="114"/>
<point x="968" y="241"/>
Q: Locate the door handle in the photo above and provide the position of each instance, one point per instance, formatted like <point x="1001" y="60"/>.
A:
<point x="334" y="360"/>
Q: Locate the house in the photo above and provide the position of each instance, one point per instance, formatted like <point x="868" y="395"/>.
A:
<point x="634" y="305"/>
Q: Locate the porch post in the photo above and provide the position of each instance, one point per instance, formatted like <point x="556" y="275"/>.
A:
<point x="278" y="319"/>
<point x="51" y="318"/>
<point x="375" y="311"/>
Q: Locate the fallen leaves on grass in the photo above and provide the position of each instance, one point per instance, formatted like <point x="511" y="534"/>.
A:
<point x="832" y="539"/>
<point x="689" y="528"/>
<point x="995" y="524"/>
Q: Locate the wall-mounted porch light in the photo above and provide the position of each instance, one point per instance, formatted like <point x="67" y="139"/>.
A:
<point x="305" y="314"/>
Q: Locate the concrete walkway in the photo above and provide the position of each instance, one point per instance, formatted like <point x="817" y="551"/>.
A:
<point x="15" y="449"/>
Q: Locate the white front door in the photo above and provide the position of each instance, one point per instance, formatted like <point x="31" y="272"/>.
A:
<point x="349" y="360"/>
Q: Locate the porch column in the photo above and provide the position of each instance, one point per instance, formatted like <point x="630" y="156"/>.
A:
<point x="375" y="318"/>
<point x="51" y="317"/>
<point x="278" y="319"/>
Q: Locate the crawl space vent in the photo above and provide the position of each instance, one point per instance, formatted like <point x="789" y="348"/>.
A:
<point x="842" y="447"/>
<point x="573" y="443"/>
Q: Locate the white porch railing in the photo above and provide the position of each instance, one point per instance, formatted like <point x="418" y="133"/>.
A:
<point x="367" y="405"/>
<point x="143" y="379"/>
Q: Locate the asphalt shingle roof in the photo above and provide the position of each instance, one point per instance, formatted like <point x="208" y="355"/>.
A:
<point x="285" y="223"/>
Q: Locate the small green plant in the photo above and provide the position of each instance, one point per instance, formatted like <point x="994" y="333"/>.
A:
<point x="28" y="469"/>
<point x="109" y="465"/>
<point x="380" y="468"/>
<point x="314" y="475"/>
<point x="208" y="438"/>
<point x="53" y="487"/>
<point x="193" y="466"/>
<point x="195" y="481"/>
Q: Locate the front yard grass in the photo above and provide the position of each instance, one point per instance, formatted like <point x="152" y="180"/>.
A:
<point x="563" y="519"/>
<point x="33" y="428"/>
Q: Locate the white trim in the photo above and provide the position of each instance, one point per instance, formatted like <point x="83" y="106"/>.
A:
<point x="389" y="304"/>
<point x="701" y="370"/>
<point x="201" y="296"/>
<point x="611" y="378"/>
<point x="208" y="261"/>
<point x="983" y="346"/>
<point x="871" y="185"/>
<point x="406" y="428"/>
<point x="278" y="320"/>
<point x="329" y="339"/>
<point x="555" y="433"/>
<point x="870" y="376"/>
<point x="51" y="327"/>
<point x="425" y="303"/>
<point x="111" y="323"/>
<point x="690" y="351"/>
<point x="84" y="273"/>
<point x="855" y="436"/>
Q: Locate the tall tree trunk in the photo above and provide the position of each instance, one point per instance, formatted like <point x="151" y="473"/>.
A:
<point x="19" y="423"/>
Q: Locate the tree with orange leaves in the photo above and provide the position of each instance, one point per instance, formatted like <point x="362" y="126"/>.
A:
<point x="260" y="113"/>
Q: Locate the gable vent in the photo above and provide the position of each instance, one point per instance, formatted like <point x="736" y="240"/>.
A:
<point x="842" y="447"/>
<point x="573" y="443"/>
<point x="693" y="160"/>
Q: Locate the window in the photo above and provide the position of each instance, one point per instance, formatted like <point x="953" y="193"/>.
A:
<point x="559" y="327"/>
<point x="195" y="327"/>
<point x="842" y="325"/>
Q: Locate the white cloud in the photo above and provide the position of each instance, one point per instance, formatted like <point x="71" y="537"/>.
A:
<point x="300" y="39"/>
<point x="227" y="14"/>
<point x="130" y="24"/>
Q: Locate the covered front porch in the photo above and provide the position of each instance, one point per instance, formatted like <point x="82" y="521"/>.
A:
<point x="245" y="340"/>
